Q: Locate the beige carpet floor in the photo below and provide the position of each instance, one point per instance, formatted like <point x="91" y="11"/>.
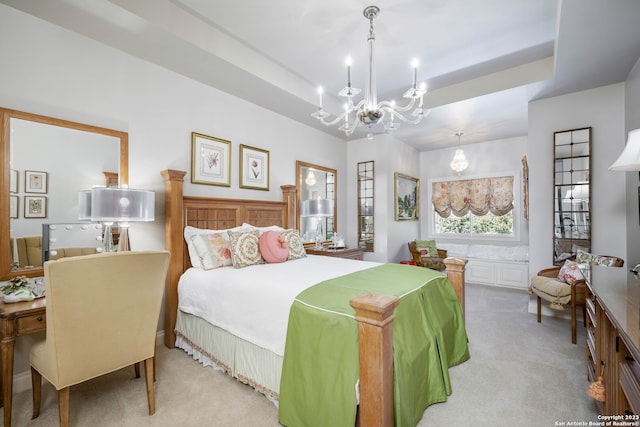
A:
<point x="521" y="373"/>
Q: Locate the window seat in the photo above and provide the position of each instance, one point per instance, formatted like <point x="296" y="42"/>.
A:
<point x="495" y="265"/>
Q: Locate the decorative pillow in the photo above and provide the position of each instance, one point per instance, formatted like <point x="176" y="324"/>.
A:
<point x="262" y="229"/>
<point x="273" y="247"/>
<point x="570" y="273"/>
<point x="214" y="250"/>
<point x="584" y="257"/>
<point x="427" y="247"/>
<point x="245" y="250"/>
<point x="193" y="253"/>
<point x="294" y="242"/>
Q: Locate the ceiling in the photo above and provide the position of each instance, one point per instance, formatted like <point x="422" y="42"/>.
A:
<point x="482" y="61"/>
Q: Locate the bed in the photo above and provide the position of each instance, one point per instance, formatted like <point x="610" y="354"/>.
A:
<point x="258" y="359"/>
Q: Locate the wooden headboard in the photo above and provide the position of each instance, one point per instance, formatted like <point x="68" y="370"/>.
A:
<point x="212" y="214"/>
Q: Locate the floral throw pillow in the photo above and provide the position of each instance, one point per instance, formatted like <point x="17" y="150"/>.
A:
<point x="294" y="242"/>
<point x="245" y="249"/>
<point x="427" y="248"/>
<point x="214" y="250"/>
<point x="584" y="257"/>
<point x="570" y="273"/>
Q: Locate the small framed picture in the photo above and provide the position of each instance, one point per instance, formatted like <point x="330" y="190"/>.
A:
<point x="13" y="181"/>
<point x="254" y="168"/>
<point x="210" y="160"/>
<point x="407" y="191"/>
<point x="35" y="206"/>
<point x="13" y="207"/>
<point x="35" y="182"/>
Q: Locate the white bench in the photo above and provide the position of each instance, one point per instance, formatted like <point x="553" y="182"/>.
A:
<point x="495" y="265"/>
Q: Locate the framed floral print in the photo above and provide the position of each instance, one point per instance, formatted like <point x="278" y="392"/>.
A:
<point x="13" y="207"/>
<point x="35" y="206"/>
<point x="210" y="160"/>
<point x="407" y="191"/>
<point x="13" y="181"/>
<point x="254" y="168"/>
<point x="35" y="182"/>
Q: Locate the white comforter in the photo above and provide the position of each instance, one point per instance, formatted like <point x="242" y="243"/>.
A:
<point x="253" y="302"/>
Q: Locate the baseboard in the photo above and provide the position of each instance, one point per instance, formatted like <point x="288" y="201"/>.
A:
<point x="22" y="381"/>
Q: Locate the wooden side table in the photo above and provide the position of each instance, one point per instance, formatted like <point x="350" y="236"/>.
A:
<point x="16" y="319"/>
<point x="355" y="253"/>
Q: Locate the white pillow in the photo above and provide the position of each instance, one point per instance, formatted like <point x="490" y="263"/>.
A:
<point x="193" y="253"/>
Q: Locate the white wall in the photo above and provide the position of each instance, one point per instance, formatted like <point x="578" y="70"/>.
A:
<point x="632" y="121"/>
<point x="50" y="71"/>
<point x="602" y="109"/>
<point x="486" y="158"/>
<point x="390" y="156"/>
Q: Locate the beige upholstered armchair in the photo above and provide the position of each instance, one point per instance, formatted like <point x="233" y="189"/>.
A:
<point x="559" y="286"/>
<point x="29" y="251"/>
<point x="102" y="315"/>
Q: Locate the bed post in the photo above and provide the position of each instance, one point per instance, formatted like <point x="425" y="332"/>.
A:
<point x="374" y="314"/>
<point x="289" y="196"/>
<point x="173" y="182"/>
<point x="455" y="274"/>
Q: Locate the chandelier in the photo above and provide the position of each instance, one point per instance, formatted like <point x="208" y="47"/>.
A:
<point x="369" y="111"/>
<point x="459" y="162"/>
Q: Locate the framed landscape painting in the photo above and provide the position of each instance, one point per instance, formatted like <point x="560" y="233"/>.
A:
<point x="407" y="191"/>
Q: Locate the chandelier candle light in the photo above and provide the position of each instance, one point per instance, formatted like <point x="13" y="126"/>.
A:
<point x="369" y="111"/>
<point x="459" y="162"/>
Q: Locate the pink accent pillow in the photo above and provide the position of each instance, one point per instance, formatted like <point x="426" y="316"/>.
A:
<point x="273" y="247"/>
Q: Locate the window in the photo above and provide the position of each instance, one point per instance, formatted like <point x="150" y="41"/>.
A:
<point x="480" y="207"/>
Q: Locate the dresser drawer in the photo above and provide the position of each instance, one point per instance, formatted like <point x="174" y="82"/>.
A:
<point x="30" y="324"/>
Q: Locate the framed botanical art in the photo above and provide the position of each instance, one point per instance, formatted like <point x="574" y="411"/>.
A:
<point x="210" y="160"/>
<point x="35" y="182"/>
<point x="13" y="207"/>
<point x="13" y="181"/>
<point x="254" y="168"/>
<point x="35" y="206"/>
<point x="407" y="193"/>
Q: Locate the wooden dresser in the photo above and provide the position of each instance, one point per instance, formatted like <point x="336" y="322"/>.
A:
<point x="355" y="253"/>
<point x="613" y="339"/>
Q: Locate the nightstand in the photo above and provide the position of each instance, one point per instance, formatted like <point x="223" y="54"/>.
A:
<point x="355" y="253"/>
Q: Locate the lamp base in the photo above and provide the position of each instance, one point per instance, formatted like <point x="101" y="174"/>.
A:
<point x="123" y="242"/>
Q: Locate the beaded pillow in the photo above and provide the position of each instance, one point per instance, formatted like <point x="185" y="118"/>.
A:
<point x="245" y="250"/>
<point x="570" y="273"/>
<point x="213" y="249"/>
<point x="294" y="242"/>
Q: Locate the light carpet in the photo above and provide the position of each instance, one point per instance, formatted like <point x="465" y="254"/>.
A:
<point x="521" y="373"/>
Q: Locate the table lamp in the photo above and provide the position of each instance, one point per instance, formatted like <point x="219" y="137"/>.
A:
<point x="319" y="208"/>
<point x="121" y="205"/>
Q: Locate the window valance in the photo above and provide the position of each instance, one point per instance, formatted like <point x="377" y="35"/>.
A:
<point x="479" y="196"/>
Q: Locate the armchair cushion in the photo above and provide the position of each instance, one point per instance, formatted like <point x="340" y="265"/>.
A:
<point x="551" y="289"/>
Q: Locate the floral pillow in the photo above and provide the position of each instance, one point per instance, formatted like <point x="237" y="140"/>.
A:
<point x="245" y="249"/>
<point x="294" y="242"/>
<point x="427" y="248"/>
<point x="213" y="250"/>
<point x="570" y="273"/>
<point x="584" y="257"/>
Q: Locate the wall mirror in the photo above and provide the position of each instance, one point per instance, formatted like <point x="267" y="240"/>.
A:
<point x="571" y="193"/>
<point x="365" y="205"/>
<point x="45" y="163"/>
<point x="317" y="202"/>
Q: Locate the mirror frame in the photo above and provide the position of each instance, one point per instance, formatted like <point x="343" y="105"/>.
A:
<point x="5" y="165"/>
<point x="560" y="187"/>
<point x="299" y="165"/>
